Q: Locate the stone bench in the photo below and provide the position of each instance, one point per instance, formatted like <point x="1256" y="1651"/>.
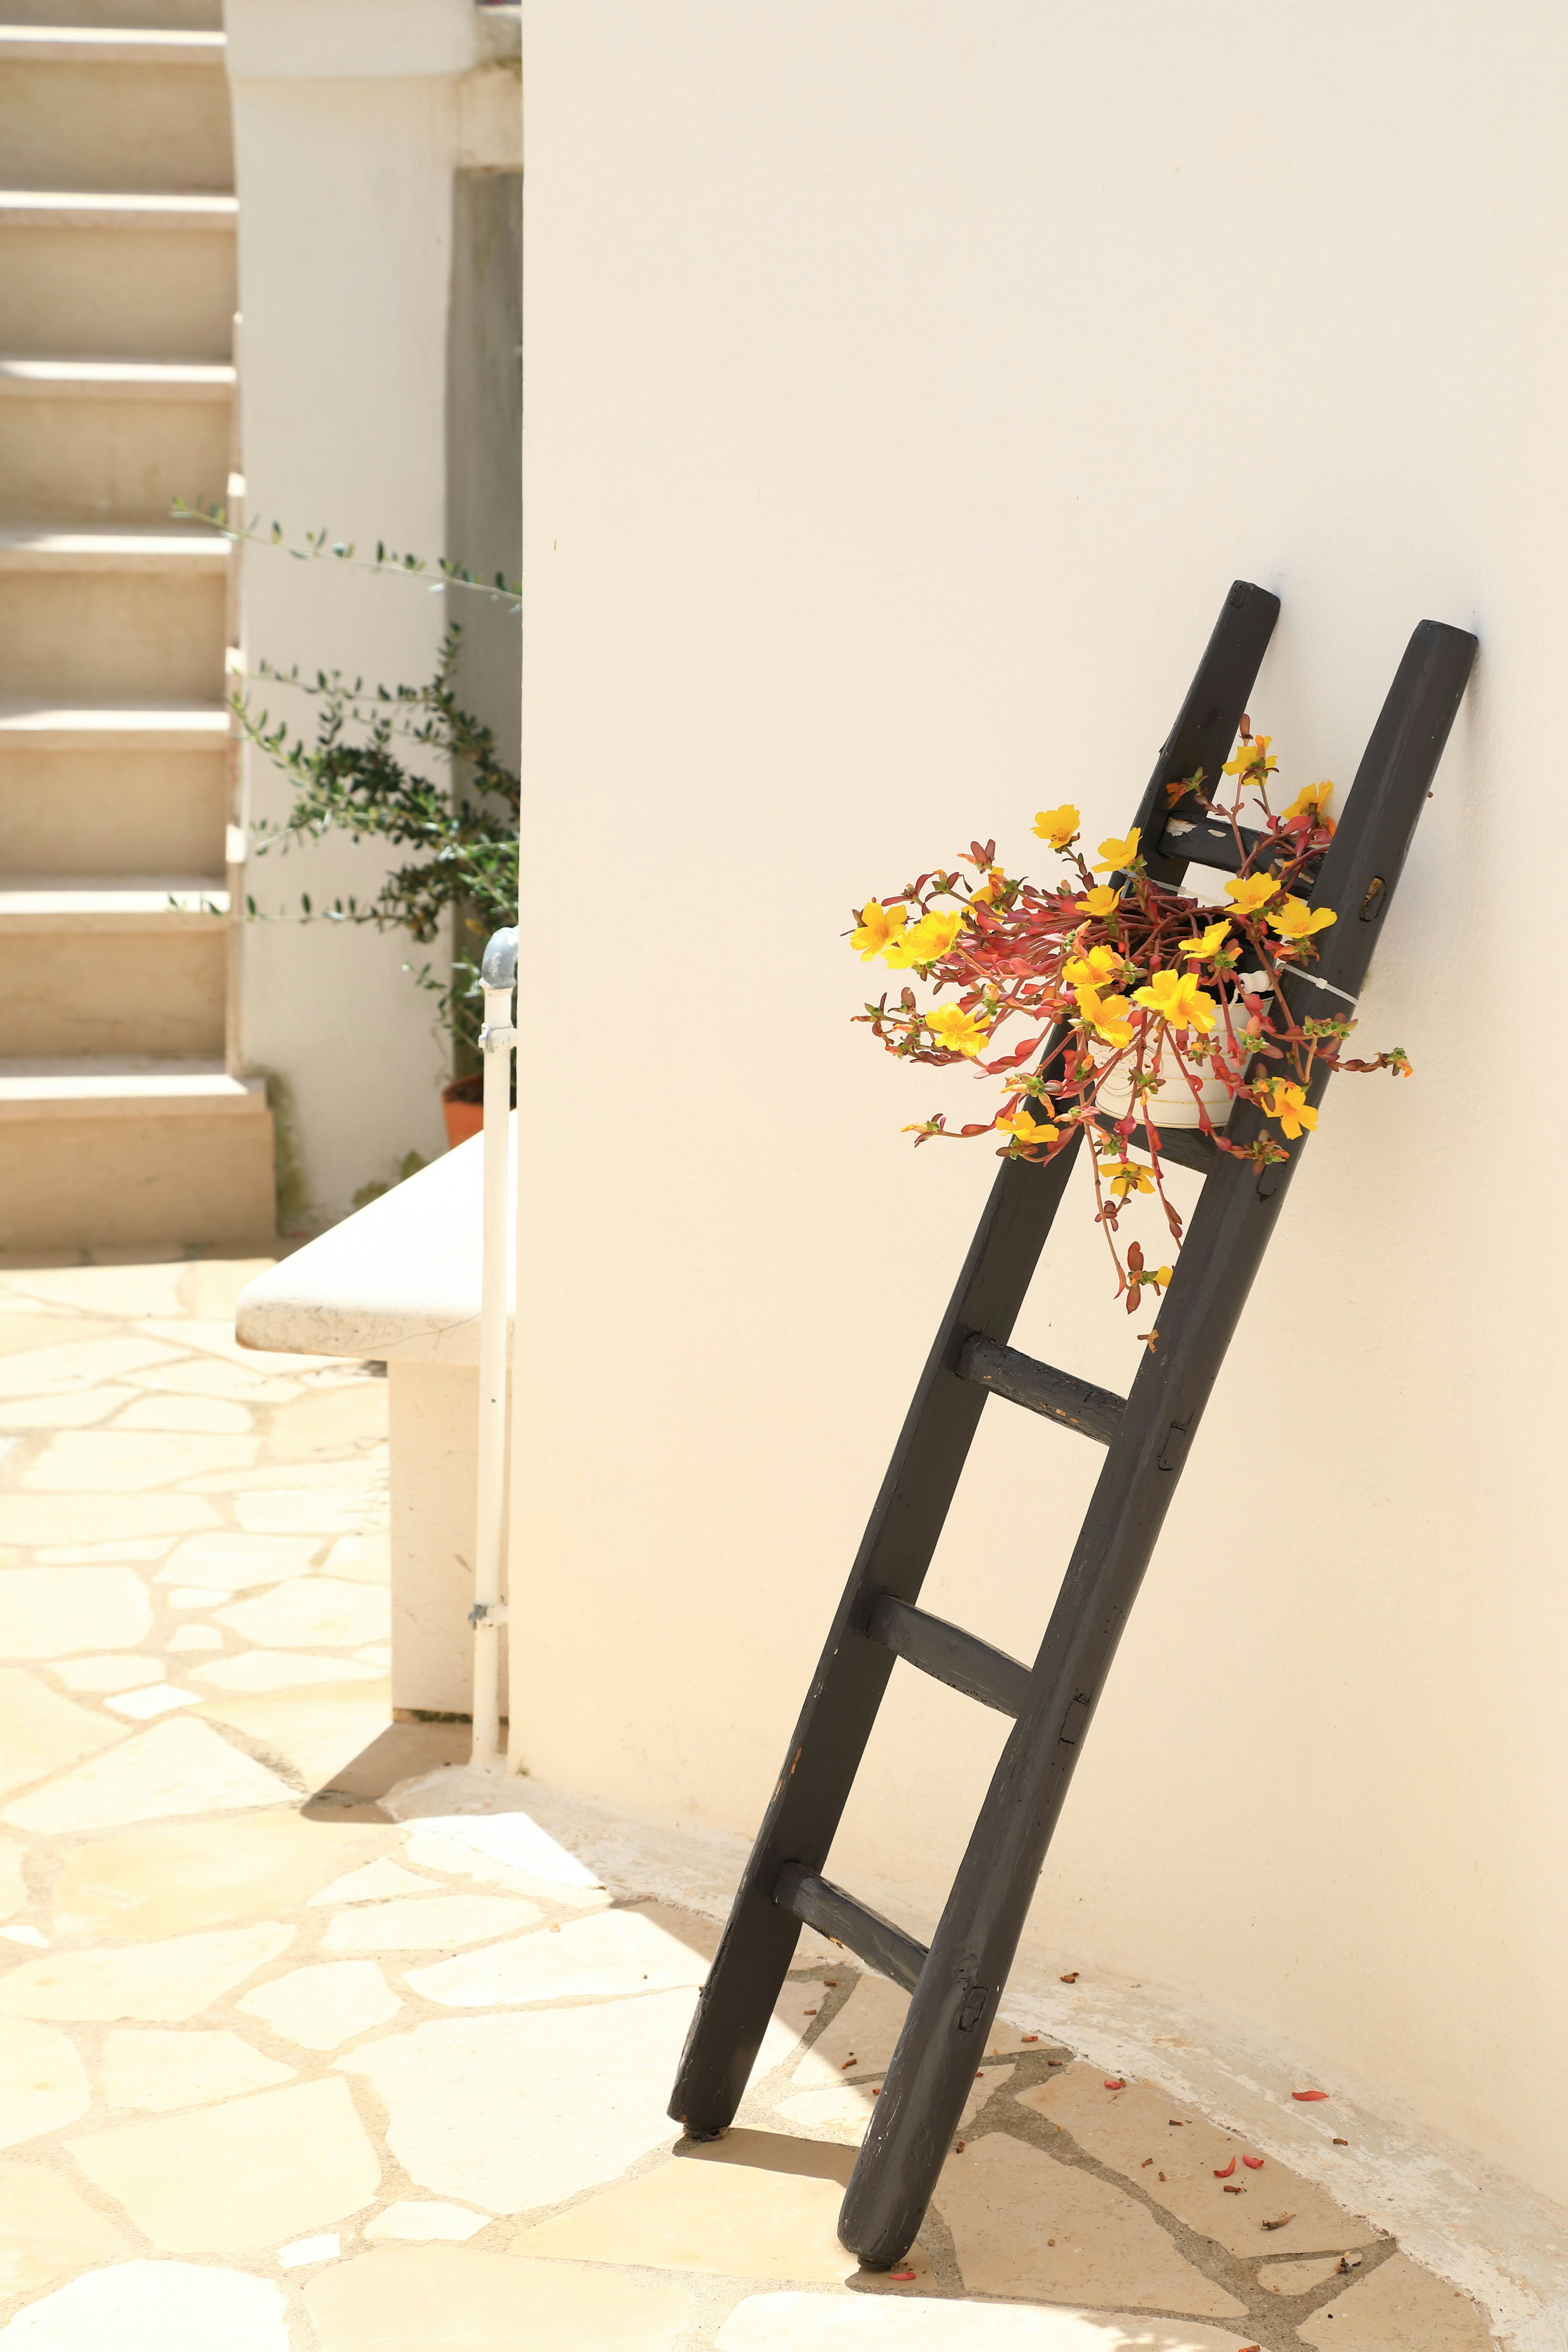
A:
<point x="398" y="1282"/>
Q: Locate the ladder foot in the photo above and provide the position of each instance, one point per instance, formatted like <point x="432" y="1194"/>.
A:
<point x="876" y="2257"/>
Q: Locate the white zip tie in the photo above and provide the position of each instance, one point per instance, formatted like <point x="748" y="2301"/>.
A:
<point x="1295" y="972"/>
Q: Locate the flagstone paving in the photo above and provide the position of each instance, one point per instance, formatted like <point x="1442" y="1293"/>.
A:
<point x="280" y="2073"/>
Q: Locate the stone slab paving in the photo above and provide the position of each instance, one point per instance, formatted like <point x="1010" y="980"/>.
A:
<point x="280" y="2073"/>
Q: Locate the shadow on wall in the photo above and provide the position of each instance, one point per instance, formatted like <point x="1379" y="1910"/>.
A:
<point x="484" y="460"/>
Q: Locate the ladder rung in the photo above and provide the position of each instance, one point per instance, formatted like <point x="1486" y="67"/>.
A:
<point x="1041" y="1388"/>
<point x="952" y="1656"/>
<point x="1187" y="1147"/>
<point x="833" y="1913"/>
<point x="1208" y="842"/>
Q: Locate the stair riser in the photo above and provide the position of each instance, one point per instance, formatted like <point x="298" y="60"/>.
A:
<point x="120" y="127"/>
<point x="74" y="460"/>
<point x="64" y="992"/>
<point x="110" y="1182"/>
<point x="94" y="636"/>
<point x="112" y="812"/>
<point x="128" y="293"/>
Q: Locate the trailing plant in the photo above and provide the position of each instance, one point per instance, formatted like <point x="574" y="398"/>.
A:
<point x="1150" y="992"/>
<point x="319" y="546"/>
<point x="355" y="777"/>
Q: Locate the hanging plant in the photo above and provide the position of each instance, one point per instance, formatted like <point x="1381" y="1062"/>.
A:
<point x="1168" y="1010"/>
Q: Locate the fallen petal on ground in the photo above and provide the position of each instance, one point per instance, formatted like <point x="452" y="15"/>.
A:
<point x="1005" y="2202"/>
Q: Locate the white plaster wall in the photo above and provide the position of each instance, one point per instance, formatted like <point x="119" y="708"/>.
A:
<point x="434" y="1411"/>
<point x="349" y="122"/>
<point x="905" y="381"/>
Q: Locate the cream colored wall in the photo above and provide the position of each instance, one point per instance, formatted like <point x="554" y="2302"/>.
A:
<point x="349" y="125"/>
<point x="434" y="1410"/>
<point x="905" y="384"/>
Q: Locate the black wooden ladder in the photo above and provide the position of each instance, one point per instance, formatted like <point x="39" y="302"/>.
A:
<point x="958" y="1982"/>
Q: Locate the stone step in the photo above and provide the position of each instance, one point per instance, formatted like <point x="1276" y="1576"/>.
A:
<point x="144" y="276"/>
<point x="173" y="553"/>
<point x="125" y="1086"/>
<point x="124" y="45"/>
<point x="141" y="211"/>
<point x="117" y="15"/>
<point x="109" y="108"/>
<point x="95" y="440"/>
<point x="90" y="616"/>
<point x="117" y="904"/>
<point x="101" y="1152"/>
<point x="119" y="1124"/>
<point x="113" y="967"/>
<point x="122" y="726"/>
<point x="114" y="791"/>
<point x="117" y="380"/>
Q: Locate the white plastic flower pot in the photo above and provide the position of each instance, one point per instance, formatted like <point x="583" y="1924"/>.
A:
<point x="1172" y="1101"/>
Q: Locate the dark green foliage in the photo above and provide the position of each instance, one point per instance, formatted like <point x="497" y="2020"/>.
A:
<point x="461" y="820"/>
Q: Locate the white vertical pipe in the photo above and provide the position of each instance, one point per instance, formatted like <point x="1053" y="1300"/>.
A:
<point x="497" y="1038"/>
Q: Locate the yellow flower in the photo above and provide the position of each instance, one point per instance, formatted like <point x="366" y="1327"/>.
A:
<point x="1253" y="760"/>
<point x="1287" y="1104"/>
<point x="986" y="895"/>
<point x="1162" y="1277"/>
<point x="1248" y="892"/>
<point x="1106" y="1016"/>
<point x="1292" y="921"/>
<point x="1027" y="1131"/>
<point x="1057" y="825"/>
<point x="1101" y="901"/>
<point x="881" y="927"/>
<point x="1126" y="1176"/>
<point x="1199" y="950"/>
<point x="1176" y="997"/>
<point x="961" y="1033"/>
<point x="1094" y="970"/>
<point x="1114" y="854"/>
<point x="1312" y="801"/>
<point x="931" y="939"/>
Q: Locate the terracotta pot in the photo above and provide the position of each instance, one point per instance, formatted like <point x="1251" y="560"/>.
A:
<point x="463" y="1109"/>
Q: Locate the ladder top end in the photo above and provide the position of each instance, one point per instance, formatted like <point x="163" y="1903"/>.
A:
<point x="1450" y="631"/>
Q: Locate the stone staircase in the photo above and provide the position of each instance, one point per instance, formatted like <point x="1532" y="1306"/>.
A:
<point x="120" y="1122"/>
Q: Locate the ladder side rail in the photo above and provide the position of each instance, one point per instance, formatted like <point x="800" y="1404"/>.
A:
<point x="841" y="1706"/>
<point x="1215" y="700"/>
<point x="977" y="1937"/>
<point x="840" y="1709"/>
